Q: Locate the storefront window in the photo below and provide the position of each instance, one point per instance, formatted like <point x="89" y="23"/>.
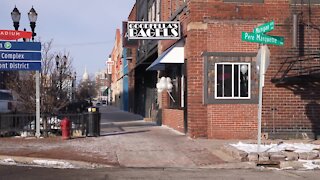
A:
<point x="174" y="72"/>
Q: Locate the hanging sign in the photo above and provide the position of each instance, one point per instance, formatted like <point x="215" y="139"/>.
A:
<point x="14" y="35"/>
<point x="153" y="30"/>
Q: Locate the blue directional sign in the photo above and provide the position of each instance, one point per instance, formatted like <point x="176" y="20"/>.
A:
<point x="20" y="66"/>
<point x="25" y="46"/>
<point x="19" y="56"/>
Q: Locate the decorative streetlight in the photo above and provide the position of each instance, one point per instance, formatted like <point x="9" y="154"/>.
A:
<point x="33" y="15"/>
<point x="15" y="15"/>
<point x="74" y="85"/>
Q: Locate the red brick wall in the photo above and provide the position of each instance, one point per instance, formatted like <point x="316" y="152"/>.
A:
<point x="214" y="26"/>
<point x="297" y="104"/>
<point x="230" y="121"/>
<point x="173" y="118"/>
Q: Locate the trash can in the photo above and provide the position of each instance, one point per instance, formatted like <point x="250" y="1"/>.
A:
<point x="93" y="122"/>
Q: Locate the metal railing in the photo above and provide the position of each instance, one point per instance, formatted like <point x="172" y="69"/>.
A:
<point x="24" y="124"/>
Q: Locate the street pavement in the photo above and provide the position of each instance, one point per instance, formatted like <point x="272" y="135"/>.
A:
<point x="126" y="141"/>
<point x="31" y="173"/>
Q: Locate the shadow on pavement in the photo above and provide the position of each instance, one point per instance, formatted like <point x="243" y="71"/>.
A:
<point x="120" y="116"/>
<point x="113" y="114"/>
<point x="123" y="132"/>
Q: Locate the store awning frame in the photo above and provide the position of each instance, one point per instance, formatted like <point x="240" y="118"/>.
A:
<point x="173" y="55"/>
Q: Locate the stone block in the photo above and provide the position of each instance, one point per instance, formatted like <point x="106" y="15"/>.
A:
<point x="278" y="156"/>
<point x="291" y="165"/>
<point x="264" y="157"/>
<point x="308" y="155"/>
<point x="253" y="157"/>
<point x="236" y="153"/>
<point x="291" y="156"/>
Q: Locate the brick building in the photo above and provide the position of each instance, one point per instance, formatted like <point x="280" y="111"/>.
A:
<point x="215" y="93"/>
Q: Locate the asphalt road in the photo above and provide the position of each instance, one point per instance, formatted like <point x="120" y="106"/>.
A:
<point x="26" y="173"/>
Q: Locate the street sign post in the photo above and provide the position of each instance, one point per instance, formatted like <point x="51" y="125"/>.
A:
<point x="263" y="59"/>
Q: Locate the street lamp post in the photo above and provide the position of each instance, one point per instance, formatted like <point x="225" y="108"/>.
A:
<point x="74" y="85"/>
<point x="33" y="16"/>
<point x="61" y="64"/>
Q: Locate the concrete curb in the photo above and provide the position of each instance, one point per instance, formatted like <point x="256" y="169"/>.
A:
<point x="55" y="163"/>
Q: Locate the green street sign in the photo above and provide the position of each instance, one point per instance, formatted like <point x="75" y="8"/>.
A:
<point x="264" y="28"/>
<point x="262" y="38"/>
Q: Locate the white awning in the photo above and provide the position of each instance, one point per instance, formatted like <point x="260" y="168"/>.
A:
<point x="173" y="55"/>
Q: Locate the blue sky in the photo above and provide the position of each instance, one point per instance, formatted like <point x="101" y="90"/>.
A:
<point x="84" y="28"/>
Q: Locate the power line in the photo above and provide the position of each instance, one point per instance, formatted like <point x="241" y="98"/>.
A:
<point x="84" y="44"/>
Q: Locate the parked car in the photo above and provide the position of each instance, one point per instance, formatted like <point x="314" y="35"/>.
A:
<point x="8" y="103"/>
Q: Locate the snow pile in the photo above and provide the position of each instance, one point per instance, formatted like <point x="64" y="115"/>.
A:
<point x="295" y="147"/>
<point x="8" y="161"/>
<point x="54" y="164"/>
<point x="310" y="165"/>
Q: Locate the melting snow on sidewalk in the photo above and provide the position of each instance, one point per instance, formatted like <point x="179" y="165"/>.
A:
<point x="40" y="163"/>
<point x="55" y="164"/>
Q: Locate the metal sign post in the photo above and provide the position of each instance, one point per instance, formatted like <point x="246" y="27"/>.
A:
<point x="38" y="104"/>
<point x="263" y="60"/>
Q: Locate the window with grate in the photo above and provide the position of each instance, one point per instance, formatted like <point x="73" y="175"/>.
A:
<point x="230" y="78"/>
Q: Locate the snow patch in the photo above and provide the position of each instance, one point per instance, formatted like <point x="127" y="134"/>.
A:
<point x="295" y="147"/>
<point x="8" y="161"/>
<point x="55" y="164"/>
<point x="310" y="164"/>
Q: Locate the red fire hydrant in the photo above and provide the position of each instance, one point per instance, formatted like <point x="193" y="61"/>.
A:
<point x="65" y="128"/>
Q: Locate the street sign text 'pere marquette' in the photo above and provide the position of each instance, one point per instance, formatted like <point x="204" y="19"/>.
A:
<point x="262" y="38"/>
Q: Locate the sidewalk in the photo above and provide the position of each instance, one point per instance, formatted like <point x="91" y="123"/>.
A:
<point x="125" y="144"/>
<point x="126" y="141"/>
